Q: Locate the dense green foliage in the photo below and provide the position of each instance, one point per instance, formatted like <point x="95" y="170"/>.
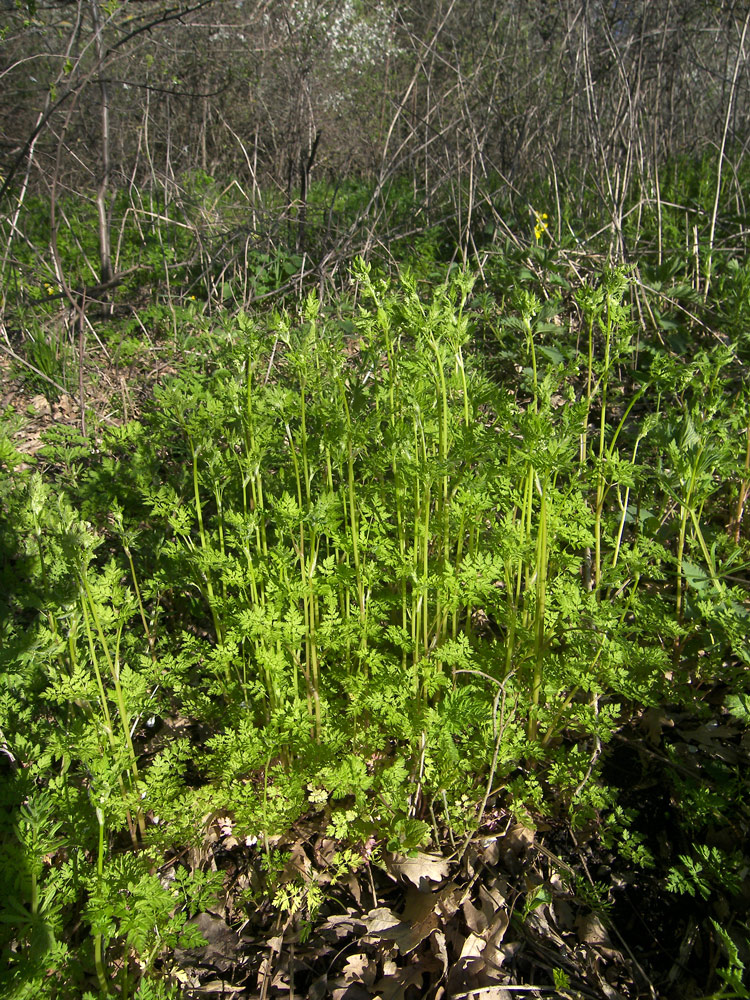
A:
<point x="394" y="557"/>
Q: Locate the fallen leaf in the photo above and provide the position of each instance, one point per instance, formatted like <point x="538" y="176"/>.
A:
<point x="220" y="986"/>
<point x="318" y="988"/>
<point x="449" y="900"/>
<point x="297" y="864"/>
<point x="563" y="913"/>
<point x="494" y="955"/>
<point x="491" y="851"/>
<point x="485" y="993"/>
<point x="222" y="948"/>
<point x="475" y="918"/>
<point x="473" y="947"/>
<point x="420" y="917"/>
<point x="592" y="931"/>
<point x="419" y="870"/>
<point x="381" y="921"/>
<point x="539" y="925"/>
<point x="359" y="968"/>
<point x="440" y="949"/>
<point x="493" y="898"/>
<point x="394" y="985"/>
<point x="341" y="926"/>
<point x="324" y="850"/>
<point x="41" y="406"/>
<point x="354" y="887"/>
<point x="518" y="839"/>
<point x="352" y="992"/>
<point x="410" y="928"/>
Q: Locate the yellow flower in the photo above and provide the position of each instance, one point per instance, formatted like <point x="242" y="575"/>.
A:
<point x="541" y="226"/>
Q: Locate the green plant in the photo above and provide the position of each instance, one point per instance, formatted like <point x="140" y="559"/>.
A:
<point x="132" y="913"/>
<point x="45" y="365"/>
<point x="732" y="974"/>
<point x="701" y="873"/>
<point x="403" y="567"/>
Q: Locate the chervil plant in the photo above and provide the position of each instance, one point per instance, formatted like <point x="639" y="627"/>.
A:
<point x="356" y="569"/>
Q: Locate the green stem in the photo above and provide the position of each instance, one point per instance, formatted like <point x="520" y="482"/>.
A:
<point x="114" y="671"/>
<point x="542" y="555"/>
<point x="101" y="974"/>
<point x="141" y="609"/>
<point x="685" y="507"/>
<point x="354" y="522"/>
<point x="600" y="478"/>
<point x="205" y="547"/>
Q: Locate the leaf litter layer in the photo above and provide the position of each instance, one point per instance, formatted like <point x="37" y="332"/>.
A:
<point x="380" y="658"/>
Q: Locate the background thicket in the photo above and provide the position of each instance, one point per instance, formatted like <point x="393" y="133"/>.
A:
<point x="463" y="104"/>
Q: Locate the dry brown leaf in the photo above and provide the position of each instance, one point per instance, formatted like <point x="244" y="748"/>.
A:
<point x="419" y="870"/>
<point x="449" y="900"/>
<point x="485" y="993"/>
<point x="472" y="947"/>
<point x="493" y="898"/>
<point x="480" y="953"/>
<point x="325" y="849"/>
<point x="396" y="981"/>
<point x="41" y="406"/>
<point x="563" y="912"/>
<point x="220" y="986"/>
<point x="319" y="988"/>
<point x="491" y="851"/>
<point x="494" y="955"/>
<point x="409" y="930"/>
<point x="352" y="992"/>
<point x="707" y="736"/>
<point x="341" y="926"/>
<point x="381" y="921"/>
<point x="478" y="964"/>
<point x="222" y="947"/>
<point x="607" y="990"/>
<point x="709" y="733"/>
<point x="592" y="931"/>
<point x="420" y="917"/>
<point x="298" y="864"/>
<point x="360" y="968"/>
<point x="64" y="408"/>
<point x="440" y="949"/>
<point x="539" y="925"/>
<point x="475" y="918"/>
<point x="518" y="839"/>
<point x="653" y="720"/>
<point x="354" y="887"/>
<point x="280" y="980"/>
<point x="498" y="927"/>
<point x="472" y="860"/>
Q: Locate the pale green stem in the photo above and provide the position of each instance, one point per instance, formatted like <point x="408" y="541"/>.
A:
<point x="205" y="545"/>
<point x="114" y="670"/>
<point x="101" y="974"/>
<point x="540" y="607"/>
<point x="141" y="609"/>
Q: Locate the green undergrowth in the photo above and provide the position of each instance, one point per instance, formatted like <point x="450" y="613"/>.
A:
<point x="187" y="253"/>
<point x="386" y="568"/>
